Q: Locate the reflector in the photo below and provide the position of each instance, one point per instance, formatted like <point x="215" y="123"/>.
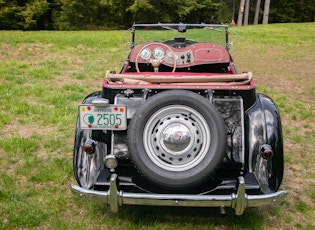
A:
<point x="266" y="151"/>
<point x="89" y="146"/>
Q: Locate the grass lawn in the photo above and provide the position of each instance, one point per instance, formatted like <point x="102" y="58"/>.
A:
<point x="44" y="75"/>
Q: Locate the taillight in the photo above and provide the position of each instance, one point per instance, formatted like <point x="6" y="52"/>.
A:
<point x="89" y="146"/>
<point x="266" y="151"/>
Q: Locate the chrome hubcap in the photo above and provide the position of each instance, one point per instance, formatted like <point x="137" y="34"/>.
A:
<point x="176" y="138"/>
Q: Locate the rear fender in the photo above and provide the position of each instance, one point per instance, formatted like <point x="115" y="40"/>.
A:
<point x="263" y="126"/>
<point x="87" y="100"/>
<point x="87" y="167"/>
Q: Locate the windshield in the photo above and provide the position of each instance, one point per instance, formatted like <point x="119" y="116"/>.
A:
<point x="180" y="33"/>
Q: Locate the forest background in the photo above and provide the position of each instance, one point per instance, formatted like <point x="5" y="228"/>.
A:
<point x="109" y="14"/>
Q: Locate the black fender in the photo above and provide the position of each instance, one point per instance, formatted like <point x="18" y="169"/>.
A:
<point x="263" y="126"/>
<point x="87" y="167"/>
<point x="89" y="98"/>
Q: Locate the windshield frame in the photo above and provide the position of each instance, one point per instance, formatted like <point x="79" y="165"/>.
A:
<point x="181" y="28"/>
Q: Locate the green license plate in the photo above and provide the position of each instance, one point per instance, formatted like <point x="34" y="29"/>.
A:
<point x="112" y="117"/>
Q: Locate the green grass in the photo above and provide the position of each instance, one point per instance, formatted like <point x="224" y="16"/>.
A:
<point x="44" y="75"/>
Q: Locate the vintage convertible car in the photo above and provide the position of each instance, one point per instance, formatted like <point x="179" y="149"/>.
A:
<point x="179" y="126"/>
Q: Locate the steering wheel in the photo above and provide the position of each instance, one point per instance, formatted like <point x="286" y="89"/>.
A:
<point x="154" y="59"/>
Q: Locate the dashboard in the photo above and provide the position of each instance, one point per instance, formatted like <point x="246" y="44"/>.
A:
<point x="194" y="54"/>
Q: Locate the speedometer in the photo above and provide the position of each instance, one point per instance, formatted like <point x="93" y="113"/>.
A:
<point x="145" y="54"/>
<point x="158" y="53"/>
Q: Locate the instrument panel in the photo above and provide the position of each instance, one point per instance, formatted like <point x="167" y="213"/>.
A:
<point x="194" y="54"/>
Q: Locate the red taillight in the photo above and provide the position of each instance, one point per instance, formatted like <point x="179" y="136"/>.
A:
<point x="89" y="146"/>
<point x="267" y="154"/>
<point x="266" y="151"/>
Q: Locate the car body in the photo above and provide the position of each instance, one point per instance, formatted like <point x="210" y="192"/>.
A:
<point x="179" y="126"/>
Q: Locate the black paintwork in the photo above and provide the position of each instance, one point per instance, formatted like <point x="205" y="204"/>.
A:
<point x="262" y="125"/>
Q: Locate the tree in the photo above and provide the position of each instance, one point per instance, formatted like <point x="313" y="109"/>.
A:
<point x="33" y="13"/>
<point x="95" y="14"/>
<point x="240" y="13"/>
<point x="23" y="15"/>
<point x="266" y="12"/>
<point x="8" y="15"/>
<point x="292" y="11"/>
<point x="193" y="11"/>
<point x="206" y="11"/>
<point x="247" y="3"/>
<point x="257" y="12"/>
<point x="84" y="14"/>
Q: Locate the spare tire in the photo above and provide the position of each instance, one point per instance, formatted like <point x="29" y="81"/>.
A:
<point x="177" y="139"/>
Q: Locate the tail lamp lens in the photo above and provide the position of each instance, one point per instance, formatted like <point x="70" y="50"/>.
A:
<point x="266" y="151"/>
<point x="89" y="146"/>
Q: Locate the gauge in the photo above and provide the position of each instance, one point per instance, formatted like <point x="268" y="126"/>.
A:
<point x="145" y="54"/>
<point x="158" y="53"/>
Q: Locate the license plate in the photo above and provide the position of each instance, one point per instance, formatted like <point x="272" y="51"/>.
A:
<point x="111" y="117"/>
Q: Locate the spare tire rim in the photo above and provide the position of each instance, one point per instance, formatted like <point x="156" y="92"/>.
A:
<point x="176" y="138"/>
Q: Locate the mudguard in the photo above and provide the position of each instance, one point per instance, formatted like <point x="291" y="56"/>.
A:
<point x="88" y="99"/>
<point x="87" y="167"/>
<point x="263" y="126"/>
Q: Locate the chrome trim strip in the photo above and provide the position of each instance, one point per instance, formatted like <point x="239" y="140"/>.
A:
<point x="239" y="201"/>
<point x="178" y="24"/>
<point x="100" y="102"/>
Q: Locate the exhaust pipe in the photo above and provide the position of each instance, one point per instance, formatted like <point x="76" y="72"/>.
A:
<point x="222" y="211"/>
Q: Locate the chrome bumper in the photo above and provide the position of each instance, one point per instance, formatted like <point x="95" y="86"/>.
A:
<point x="239" y="201"/>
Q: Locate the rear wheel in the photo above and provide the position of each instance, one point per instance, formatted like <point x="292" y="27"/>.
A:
<point x="177" y="139"/>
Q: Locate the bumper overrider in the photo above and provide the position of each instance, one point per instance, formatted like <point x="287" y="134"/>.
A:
<point x="238" y="201"/>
